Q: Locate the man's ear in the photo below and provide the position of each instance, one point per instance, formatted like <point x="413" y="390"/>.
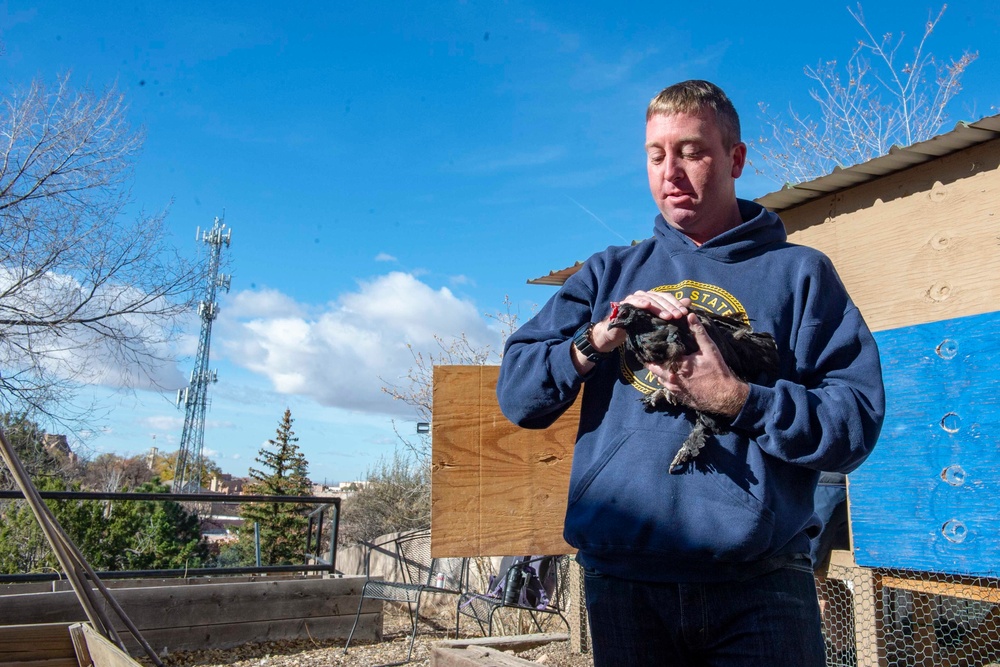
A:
<point x="739" y="158"/>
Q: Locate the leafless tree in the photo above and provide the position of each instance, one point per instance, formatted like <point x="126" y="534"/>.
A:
<point x="417" y="388"/>
<point x="396" y="495"/>
<point x="880" y="99"/>
<point x="86" y="295"/>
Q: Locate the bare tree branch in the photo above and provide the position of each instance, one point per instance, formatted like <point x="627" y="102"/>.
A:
<point x="396" y="493"/>
<point x="874" y="102"/>
<point x="81" y="288"/>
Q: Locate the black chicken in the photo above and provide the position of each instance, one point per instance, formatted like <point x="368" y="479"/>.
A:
<point x="753" y="357"/>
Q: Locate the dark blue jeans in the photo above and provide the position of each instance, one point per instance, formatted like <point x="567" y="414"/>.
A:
<point x="769" y="620"/>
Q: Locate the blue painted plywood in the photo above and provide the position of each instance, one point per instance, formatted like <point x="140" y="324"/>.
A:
<point x="928" y="498"/>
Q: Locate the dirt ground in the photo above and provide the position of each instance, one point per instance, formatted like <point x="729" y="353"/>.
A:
<point x="316" y="653"/>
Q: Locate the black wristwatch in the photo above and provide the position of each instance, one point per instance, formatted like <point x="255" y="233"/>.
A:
<point x="581" y="339"/>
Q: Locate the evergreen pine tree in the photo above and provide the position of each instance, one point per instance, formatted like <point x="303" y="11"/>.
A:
<point x="282" y="525"/>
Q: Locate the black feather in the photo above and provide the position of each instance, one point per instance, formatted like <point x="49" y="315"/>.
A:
<point x="752" y="356"/>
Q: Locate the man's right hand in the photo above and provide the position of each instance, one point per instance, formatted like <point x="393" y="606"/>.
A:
<point x="662" y="304"/>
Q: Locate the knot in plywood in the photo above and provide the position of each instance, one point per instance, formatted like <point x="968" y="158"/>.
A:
<point x="938" y="192"/>
<point x="947" y="349"/>
<point x="951" y="422"/>
<point x="953" y="475"/>
<point x="954" y="531"/>
<point x="941" y="241"/>
<point x="939" y="291"/>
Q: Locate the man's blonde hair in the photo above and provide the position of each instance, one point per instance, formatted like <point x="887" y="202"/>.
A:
<point x="694" y="96"/>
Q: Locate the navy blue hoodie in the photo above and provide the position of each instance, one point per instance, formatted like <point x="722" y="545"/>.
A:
<point x="746" y="499"/>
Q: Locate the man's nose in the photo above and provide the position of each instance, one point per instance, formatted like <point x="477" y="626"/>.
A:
<point x="672" y="169"/>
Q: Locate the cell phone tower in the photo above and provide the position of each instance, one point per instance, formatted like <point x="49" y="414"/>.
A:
<point x="194" y="398"/>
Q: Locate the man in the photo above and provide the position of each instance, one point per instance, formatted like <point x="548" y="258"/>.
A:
<point x="710" y="566"/>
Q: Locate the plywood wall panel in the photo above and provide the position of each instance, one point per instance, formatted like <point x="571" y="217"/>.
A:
<point x="496" y="489"/>
<point x="928" y="498"/>
<point x="922" y="245"/>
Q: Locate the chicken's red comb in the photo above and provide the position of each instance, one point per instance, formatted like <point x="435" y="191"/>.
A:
<point x="614" y="311"/>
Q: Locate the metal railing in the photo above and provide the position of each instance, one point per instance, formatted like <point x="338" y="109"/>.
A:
<point x="326" y="512"/>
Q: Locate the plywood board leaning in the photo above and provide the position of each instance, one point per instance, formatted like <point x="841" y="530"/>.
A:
<point x="99" y="650"/>
<point x="496" y="489"/>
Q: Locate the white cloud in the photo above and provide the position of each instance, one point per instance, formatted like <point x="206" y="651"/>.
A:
<point x="125" y="350"/>
<point x="385" y="257"/>
<point x="163" y="423"/>
<point x="342" y="356"/>
<point x="265" y="302"/>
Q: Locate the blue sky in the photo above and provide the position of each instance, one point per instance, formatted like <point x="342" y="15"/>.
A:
<point x="392" y="170"/>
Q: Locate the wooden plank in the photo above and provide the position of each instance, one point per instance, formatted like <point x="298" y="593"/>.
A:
<point x="576" y="614"/>
<point x="496" y="489"/>
<point x="474" y="656"/>
<point x="928" y="498"/>
<point x="228" y="635"/>
<point x="240" y="603"/>
<point x="50" y="662"/>
<point x="28" y="587"/>
<point x="103" y="653"/>
<point x="917" y="246"/>
<point x="183" y="606"/>
<point x="34" y="642"/>
<point x="965" y="590"/>
<point x="516" y="643"/>
<point x="79" y="638"/>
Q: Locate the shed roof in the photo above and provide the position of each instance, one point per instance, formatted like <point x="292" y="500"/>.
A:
<point x="964" y="135"/>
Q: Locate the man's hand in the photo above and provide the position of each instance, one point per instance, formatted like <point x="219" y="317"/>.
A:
<point x="702" y="380"/>
<point x="662" y="304"/>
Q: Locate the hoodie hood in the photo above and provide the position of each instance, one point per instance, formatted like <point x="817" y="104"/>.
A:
<point x="760" y="230"/>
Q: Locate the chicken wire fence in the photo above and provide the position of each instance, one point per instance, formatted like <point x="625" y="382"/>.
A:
<point x="900" y="618"/>
<point x="871" y="617"/>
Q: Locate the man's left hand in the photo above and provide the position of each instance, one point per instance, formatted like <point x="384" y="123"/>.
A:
<point x="702" y="380"/>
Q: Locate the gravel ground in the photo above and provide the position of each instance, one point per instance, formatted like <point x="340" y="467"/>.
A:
<point x="310" y="653"/>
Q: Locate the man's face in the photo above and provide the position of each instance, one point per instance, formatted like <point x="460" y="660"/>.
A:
<point x="692" y="173"/>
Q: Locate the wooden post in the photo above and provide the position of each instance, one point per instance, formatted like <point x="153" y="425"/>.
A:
<point x="869" y="641"/>
<point x="868" y="618"/>
<point x="579" y="628"/>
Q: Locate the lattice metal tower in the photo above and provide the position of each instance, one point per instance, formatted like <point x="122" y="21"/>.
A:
<point x="194" y="398"/>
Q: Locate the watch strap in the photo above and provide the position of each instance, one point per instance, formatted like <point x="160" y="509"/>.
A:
<point x="581" y="340"/>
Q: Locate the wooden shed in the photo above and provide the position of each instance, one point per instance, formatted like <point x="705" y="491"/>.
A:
<point x="915" y="236"/>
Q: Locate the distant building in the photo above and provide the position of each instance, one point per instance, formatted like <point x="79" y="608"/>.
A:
<point x="58" y="445"/>
<point x="226" y="483"/>
<point x="342" y="489"/>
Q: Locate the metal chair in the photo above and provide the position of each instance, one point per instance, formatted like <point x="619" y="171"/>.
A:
<point x="509" y="589"/>
<point x="418" y="572"/>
